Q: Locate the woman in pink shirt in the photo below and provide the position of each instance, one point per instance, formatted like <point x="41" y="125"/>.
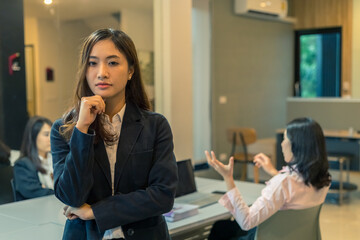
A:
<point x="303" y="183"/>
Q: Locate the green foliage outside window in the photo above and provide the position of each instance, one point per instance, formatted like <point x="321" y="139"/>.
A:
<point x="308" y="65"/>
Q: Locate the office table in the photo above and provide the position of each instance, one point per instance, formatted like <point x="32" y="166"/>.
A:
<point x="42" y="218"/>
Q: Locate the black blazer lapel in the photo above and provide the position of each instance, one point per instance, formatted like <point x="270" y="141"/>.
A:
<point x="130" y="130"/>
<point x="102" y="159"/>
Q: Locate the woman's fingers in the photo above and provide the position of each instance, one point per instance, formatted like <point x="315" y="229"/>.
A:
<point x="68" y="213"/>
<point x="231" y="162"/>
<point x="65" y="209"/>
<point x="208" y="158"/>
<point x="211" y="159"/>
<point x="72" y="217"/>
<point x="94" y="103"/>
<point x="89" y="109"/>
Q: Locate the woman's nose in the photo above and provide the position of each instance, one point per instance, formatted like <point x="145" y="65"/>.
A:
<point x="103" y="72"/>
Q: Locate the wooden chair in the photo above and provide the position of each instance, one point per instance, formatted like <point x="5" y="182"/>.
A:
<point x="291" y="224"/>
<point x="243" y="137"/>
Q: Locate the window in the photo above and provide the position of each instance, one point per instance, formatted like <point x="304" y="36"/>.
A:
<point x="318" y="63"/>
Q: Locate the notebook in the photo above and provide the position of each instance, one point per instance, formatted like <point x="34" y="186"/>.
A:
<point x="186" y="185"/>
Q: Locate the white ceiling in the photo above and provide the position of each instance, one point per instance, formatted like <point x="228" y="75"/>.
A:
<point x="80" y="9"/>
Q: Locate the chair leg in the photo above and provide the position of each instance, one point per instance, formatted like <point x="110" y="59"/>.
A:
<point x="256" y="174"/>
<point x="243" y="172"/>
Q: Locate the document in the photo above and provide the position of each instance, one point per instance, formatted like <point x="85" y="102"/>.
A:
<point x="181" y="211"/>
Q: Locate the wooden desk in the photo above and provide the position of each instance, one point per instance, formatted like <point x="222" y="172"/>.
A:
<point x="337" y="142"/>
<point x="42" y="218"/>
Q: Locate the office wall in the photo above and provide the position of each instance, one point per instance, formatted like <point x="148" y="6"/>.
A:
<point x="173" y="70"/>
<point x="13" y="112"/>
<point x="57" y="48"/>
<point x="139" y="25"/>
<point x="252" y="66"/>
<point x="57" y="45"/>
<point x="201" y="41"/>
<point x="356" y="50"/>
<point x="330" y="113"/>
<point x="70" y="39"/>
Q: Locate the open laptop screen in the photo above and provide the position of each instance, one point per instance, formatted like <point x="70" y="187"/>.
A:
<point x="186" y="182"/>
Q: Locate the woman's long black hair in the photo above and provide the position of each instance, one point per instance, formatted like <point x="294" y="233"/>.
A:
<point x="309" y="151"/>
<point x="4" y="154"/>
<point x="28" y="146"/>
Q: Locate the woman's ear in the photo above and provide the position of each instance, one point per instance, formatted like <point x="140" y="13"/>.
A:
<point x="131" y="72"/>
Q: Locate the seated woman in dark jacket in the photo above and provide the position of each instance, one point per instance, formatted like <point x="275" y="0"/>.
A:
<point x="33" y="172"/>
<point x="4" y="154"/>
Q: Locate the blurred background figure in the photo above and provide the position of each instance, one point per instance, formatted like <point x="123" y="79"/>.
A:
<point x="4" y="154"/>
<point x="33" y="172"/>
<point x="6" y="174"/>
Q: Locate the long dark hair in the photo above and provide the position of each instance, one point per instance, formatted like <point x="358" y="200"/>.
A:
<point x="134" y="90"/>
<point x="309" y="151"/>
<point x="28" y="146"/>
<point x="4" y="154"/>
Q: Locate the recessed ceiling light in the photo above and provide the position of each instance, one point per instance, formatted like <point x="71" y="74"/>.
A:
<point x="48" y="2"/>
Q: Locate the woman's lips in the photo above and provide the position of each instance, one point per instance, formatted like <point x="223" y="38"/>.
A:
<point x="103" y="85"/>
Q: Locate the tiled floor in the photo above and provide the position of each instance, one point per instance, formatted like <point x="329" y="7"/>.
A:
<point x="342" y="222"/>
<point x="336" y="222"/>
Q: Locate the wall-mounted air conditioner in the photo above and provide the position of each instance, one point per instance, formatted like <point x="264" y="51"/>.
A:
<point x="266" y="9"/>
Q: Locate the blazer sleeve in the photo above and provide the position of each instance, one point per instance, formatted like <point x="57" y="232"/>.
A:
<point x="27" y="182"/>
<point x="156" y="199"/>
<point x="73" y="163"/>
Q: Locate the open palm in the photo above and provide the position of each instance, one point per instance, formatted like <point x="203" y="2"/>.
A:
<point x="226" y="171"/>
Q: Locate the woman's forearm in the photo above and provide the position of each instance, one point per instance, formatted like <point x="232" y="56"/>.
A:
<point x="230" y="184"/>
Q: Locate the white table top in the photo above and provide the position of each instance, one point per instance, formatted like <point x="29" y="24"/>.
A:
<point x="42" y="218"/>
<point x="250" y="192"/>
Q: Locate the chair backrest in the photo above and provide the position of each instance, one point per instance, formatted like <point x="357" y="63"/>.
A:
<point x="241" y="136"/>
<point x="17" y="196"/>
<point x="249" y="135"/>
<point x="6" y="193"/>
<point x="13" y="189"/>
<point x="291" y="224"/>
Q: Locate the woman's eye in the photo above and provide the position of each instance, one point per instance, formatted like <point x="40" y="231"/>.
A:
<point x="91" y="63"/>
<point x="113" y="63"/>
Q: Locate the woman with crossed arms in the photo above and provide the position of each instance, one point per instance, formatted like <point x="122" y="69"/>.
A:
<point x="114" y="166"/>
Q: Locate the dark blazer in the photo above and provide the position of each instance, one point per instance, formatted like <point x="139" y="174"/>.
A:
<point x="26" y="180"/>
<point x="145" y="178"/>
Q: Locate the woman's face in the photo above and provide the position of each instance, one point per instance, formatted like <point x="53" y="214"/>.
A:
<point x="108" y="71"/>
<point x="43" y="140"/>
<point x="286" y="148"/>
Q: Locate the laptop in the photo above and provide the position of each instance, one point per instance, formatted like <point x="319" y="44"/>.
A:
<point x="186" y="191"/>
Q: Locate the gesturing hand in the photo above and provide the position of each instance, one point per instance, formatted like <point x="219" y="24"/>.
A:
<point x="90" y="107"/>
<point x="261" y="160"/>
<point x="225" y="171"/>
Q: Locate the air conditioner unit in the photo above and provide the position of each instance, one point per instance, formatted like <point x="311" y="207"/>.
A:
<point x="262" y="8"/>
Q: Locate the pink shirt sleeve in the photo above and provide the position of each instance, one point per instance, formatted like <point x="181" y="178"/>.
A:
<point x="286" y="190"/>
<point x="272" y="198"/>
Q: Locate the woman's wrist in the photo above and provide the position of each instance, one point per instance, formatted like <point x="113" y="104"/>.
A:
<point x="230" y="184"/>
<point x="83" y="129"/>
<point x="274" y="172"/>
